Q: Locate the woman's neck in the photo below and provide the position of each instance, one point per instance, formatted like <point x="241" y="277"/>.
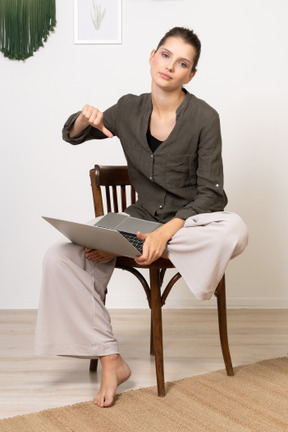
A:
<point x="166" y="102"/>
<point x="163" y="116"/>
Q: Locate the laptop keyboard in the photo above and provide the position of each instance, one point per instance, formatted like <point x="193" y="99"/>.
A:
<point x="133" y="239"/>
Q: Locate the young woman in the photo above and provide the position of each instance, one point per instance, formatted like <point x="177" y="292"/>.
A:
<point x="172" y="143"/>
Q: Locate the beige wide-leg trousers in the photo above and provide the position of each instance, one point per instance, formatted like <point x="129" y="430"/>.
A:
<point x="72" y="318"/>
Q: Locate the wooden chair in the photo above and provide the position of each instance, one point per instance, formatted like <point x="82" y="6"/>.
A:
<point x="112" y="192"/>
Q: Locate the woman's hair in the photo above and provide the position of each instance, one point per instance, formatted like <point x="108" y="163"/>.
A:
<point x="187" y="36"/>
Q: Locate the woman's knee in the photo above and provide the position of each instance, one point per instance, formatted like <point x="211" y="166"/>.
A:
<point x="59" y="252"/>
<point x="237" y="231"/>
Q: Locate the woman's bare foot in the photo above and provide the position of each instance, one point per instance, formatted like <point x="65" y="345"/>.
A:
<point x="114" y="372"/>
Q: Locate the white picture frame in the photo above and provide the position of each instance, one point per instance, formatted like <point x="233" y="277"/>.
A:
<point x="97" y="21"/>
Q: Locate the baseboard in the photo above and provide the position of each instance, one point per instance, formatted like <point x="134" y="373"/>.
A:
<point x="172" y="303"/>
<point x="192" y="303"/>
<point x="257" y="303"/>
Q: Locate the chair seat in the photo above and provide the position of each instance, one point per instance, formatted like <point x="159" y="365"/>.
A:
<point x="161" y="263"/>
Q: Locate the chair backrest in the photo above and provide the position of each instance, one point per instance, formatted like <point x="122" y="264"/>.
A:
<point x="111" y="188"/>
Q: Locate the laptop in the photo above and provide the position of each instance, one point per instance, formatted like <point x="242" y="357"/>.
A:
<point x="115" y="233"/>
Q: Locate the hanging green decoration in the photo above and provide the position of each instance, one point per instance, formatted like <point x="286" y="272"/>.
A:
<point x="24" y="26"/>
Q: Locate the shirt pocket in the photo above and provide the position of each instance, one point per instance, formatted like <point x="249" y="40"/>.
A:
<point x="132" y="152"/>
<point x="180" y="171"/>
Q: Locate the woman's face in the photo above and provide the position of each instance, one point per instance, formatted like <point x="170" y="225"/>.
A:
<point x="171" y="65"/>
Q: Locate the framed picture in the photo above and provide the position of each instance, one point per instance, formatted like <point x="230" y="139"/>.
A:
<point x="97" y="21"/>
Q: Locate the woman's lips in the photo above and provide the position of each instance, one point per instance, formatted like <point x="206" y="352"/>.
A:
<point x="164" y="76"/>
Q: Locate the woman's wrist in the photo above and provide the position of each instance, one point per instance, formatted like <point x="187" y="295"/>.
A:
<point x="79" y="125"/>
<point x="170" y="228"/>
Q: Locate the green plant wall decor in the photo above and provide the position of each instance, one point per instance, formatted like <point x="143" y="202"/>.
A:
<point x="25" y="26"/>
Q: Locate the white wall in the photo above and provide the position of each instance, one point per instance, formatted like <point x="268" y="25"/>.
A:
<point x="242" y="73"/>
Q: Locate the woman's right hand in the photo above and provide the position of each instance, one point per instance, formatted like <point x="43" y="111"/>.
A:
<point x="97" y="255"/>
<point x="94" y="117"/>
<point x="89" y="116"/>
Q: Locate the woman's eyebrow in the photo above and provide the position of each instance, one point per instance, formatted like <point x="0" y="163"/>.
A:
<point x="170" y="52"/>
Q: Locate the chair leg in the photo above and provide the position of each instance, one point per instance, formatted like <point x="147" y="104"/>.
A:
<point x="220" y="293"/>
<point x="93" y="365"/>
<point x="157" y="328"/>
<point x="152" y="352"/>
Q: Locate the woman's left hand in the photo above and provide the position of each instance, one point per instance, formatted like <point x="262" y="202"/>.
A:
<point x="153" y="247"/>
<point x="156" y="241"/>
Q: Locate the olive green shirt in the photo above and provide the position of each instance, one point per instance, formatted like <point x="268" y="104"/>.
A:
<point x="184" y="176"/>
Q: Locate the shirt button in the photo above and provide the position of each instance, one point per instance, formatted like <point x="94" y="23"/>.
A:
<point x="151" y="178"/>
<point x="152" y="156"/>
<point x="160" y="206"/>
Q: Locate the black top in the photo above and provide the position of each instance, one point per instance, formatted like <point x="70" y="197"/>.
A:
<point x="153" y="143"/>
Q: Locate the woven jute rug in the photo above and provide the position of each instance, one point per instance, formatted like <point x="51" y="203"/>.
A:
<point x="255" y="399"/>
